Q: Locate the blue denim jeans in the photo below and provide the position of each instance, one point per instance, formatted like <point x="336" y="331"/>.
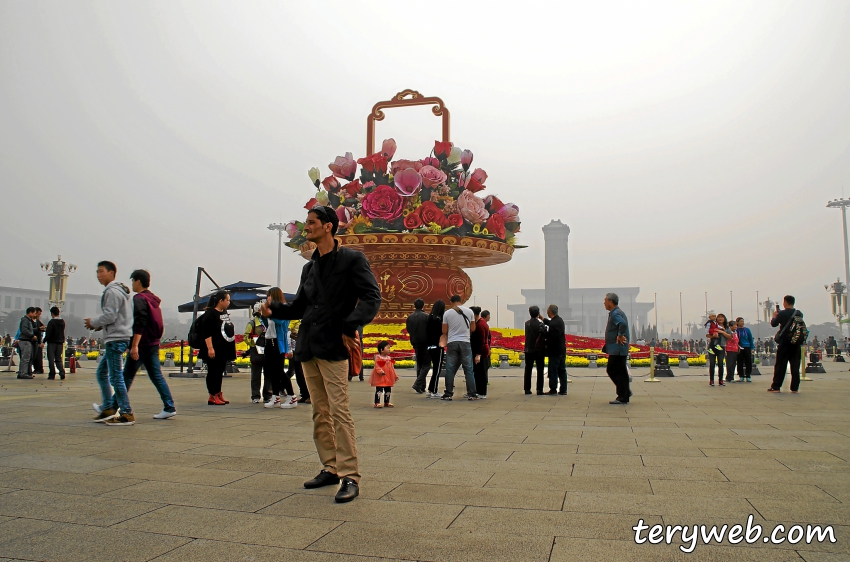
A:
<point x="149" y="357"/>
<point x="110" y="371"/>
<point x="459" y="354"/>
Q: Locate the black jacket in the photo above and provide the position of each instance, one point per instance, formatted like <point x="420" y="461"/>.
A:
<point x="433" y="330"/>
<point x="533" y="327"/>
<point x="417" y="328"/>
<point x="55" y="332"/>
<point x="353" y="300"/>
<point x="556" y="345"/>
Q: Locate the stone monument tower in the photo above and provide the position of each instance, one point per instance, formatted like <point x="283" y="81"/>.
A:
<point x="556" y="236"/>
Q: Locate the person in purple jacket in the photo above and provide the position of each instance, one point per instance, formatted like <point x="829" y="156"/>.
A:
<point x="144" y="347"/>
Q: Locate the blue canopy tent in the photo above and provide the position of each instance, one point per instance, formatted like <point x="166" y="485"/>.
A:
<point x="242" y="295"/>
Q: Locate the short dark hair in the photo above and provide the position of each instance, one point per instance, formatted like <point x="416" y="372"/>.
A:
<point x="38" y="309"/>
<point x="142" y="276"/>
<point x="108" y="266"/>
<point x="30" y="310"/>
<point x="418" y="304"/>
<point x="216" y="298"/>
<point x="382" y="346"/>
<point x="738" y="319"/>
<point x="475" y="309"/>
<point x="54" y="310"/>
<point x="455" y="298"/>
<point x="553" y="308"/>
<point x="534" y="311"/>
<point x="790" y="300"/>
<point x="326" y="215"/>
<point x="485" y="314"/>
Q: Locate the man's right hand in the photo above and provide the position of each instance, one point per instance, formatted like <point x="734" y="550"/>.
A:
<point x="265" y="310"/>
<point x="211" y="352"/>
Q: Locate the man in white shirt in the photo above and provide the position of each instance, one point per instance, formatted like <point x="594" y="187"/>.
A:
<point x="457" y="326"/>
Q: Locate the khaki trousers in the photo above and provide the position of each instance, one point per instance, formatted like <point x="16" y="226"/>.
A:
<point x="333" y="426"/>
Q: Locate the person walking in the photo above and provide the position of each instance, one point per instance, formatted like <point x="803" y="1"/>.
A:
<point x="54" y="336"/>
<point x="786" y="351"/>
<point x="436" y="347"/>
<point x="481" y="341"/>
<point x="617" y="347"/>
<point x="116" y="322"/>
<point x="26" y="339"/>
<point x="337" y="294"/>
<point x="217" y="339"/>
<point x="254" y="337"/>
<point x="458" y="325"/>
<point x="556" y="349"/>
<point x="383" y="376"/>
<point x="417" y="331"/>
<point x="277" y="348"/>
<point x="534" y="349"/>
<point x="144" y="347"/>
<point x="745" y="351"/>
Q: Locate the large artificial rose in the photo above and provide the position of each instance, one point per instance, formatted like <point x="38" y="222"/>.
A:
<point x="400" y="165"/>
<point x="388" y="148"/>
<point x="454" y="155"/>
<point x="407" y="182"/>
<point x="475" y="181"/>
<point x="383" y="203"/>
<point x="430" y="161"/>
<point x="412" y="221"/>
<point x="431" y="176"/>
<point x="442" y="150"/>
<point x="454" y="220"/>
<point x="493" y="203"/>
<point x="471" y="207"/>
<point x="344" y="167"/>
<point x="292" y="229"/>
<point x="509" y="213"/>
<point x="429" y="212"/>
<point x="311" y="203"/>
<point x="345" y="215"/>
<point x="496" y="226"/>
<point x="376" y="163"/>
<point x="352" y="188"/>
<point x="331" y="184"/>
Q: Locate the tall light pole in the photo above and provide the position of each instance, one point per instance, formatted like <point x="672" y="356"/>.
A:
<point x="280" y="228"/>
<point x="58" y="272"/>
<point x="843" y="203"/>
<point x="681" y="325"/>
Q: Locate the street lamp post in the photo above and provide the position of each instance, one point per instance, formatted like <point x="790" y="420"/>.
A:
<point x="58" y="272"/>
<point x="839" y="301"/>
<point x="280" y="228"/>
<point x="843" y="204"/>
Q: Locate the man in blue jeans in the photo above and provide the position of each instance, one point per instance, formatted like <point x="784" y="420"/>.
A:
<point x="144" y="348"/>
<point x="116" y="321"/>
<point x="458" y="325"/>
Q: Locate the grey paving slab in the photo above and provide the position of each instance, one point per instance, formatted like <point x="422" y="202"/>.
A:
<point x="528" y="498"/>
<point x="570" y="549"/>
<point x="58" y="463"/>
<point x="52" y="506"/>
<point x="166" y="473"/>
<point x="63" y="482"/>
<point x="194" y="495"/>
<point x="201" y="550"/>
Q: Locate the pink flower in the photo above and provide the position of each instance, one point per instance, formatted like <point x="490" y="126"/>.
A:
<point x="407" y="182"/>
<point x="388" y="148"/>
<point x="430" y="161"/>
<point x="383" y="203"/>
<point x="466" y="159"/>
<point x="400" y="165"/>
<point x="292" y="229"/>
<point x="509" y="213"/>
<point x="431" y="176"/>
<point x="475" y="182"/>
<point x="331" y="184"/>
<point x="344" y="166"/>
<point x="471" y="207"/>
<point x="345" y="215"/>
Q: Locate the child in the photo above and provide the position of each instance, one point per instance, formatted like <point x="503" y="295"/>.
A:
<point x="383" y="375"/>
<point x="711" y="326"/>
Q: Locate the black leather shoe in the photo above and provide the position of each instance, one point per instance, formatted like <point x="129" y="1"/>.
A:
<point x="348" y="490"/>
<point x="552" y="392"/>
<point x="528" y="392"/>
<point x="562" y="394"/>
<point x="324" y="478"/>
<point x="617" y="402"/>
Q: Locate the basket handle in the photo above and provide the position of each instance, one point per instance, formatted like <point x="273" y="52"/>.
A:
<point x="404" y="99"/>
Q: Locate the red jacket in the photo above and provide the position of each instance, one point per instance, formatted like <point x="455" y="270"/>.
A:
<point x="481" y="339"/>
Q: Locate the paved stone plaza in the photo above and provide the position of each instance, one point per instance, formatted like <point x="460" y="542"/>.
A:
<point x="511" y="478"/>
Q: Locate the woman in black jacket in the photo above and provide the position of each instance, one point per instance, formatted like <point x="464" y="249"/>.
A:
<point x="218" y="345"/>
<point x="436" y="346"/>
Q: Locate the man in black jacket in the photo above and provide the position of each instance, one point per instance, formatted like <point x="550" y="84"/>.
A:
<point x="786" y="351"/>
<point x="534" y="355"/>
<point x="556" y="350"/>
<point x="38" y="350"/>
<point x="417" y="324"/>
<point x="26" y="343"/>
<point x="338" y="293"/>
<point x="54" y="336"/>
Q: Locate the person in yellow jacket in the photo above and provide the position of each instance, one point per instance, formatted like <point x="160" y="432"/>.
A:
<point x="253" y="330"/>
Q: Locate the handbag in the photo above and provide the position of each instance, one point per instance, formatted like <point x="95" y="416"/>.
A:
<point x="780" y="335"/>
<point x="355" y="356"/>
<point x="257" y="353"/>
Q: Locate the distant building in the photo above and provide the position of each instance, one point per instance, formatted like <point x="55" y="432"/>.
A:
<point x="581" y="309"/>
<point x="80" y="305"/>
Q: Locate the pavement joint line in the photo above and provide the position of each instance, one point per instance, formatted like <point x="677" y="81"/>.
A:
<point x="724" y="475"/>
<point x="755" y="508"/>
<point x="456" y="516"/>
<point x="432" y="464"/>
<point x="341" y="523"/>
<point x="396" y="487"/>
<point x="190" y="541"/>
<point x="488" y="480"/>
<point x="289" y="495"/>
<point x="819" y="487"/>
<point x="552" y="548"/>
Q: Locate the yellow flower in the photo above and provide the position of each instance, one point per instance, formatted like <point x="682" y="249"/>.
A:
<point x="476" y="228"/>
<point x="434" y="227"/>
<point x="315" y="176"/>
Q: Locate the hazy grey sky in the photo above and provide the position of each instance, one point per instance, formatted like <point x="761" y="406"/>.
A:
<point x="690" y="146"/>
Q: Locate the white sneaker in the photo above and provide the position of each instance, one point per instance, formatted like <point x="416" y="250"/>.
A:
<point x="97" y="408"/>
<point x="273" y="402"/>
<point x="163" y="415"/>
<point x="290" y="402"/>
<point x="436" y="395"/>
<point x="255" y="400"/>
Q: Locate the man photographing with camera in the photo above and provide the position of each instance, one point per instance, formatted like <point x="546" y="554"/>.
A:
<point x="337" y="294"/>
<point x="791" y="336"/>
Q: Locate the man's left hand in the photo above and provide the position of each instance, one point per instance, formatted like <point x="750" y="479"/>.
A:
<point x="88" y="324"/>
<point x="621" y="340"/>
<point x="351" y="344"/>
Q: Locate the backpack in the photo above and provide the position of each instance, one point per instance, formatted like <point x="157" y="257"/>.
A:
<point x="798" y="332"/>
<point x="194" y="338"/>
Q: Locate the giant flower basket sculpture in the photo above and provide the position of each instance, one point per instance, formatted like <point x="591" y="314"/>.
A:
<point x="419" y="222"/>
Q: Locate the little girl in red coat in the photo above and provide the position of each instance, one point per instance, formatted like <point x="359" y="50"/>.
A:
<point x="383" y="376"/>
